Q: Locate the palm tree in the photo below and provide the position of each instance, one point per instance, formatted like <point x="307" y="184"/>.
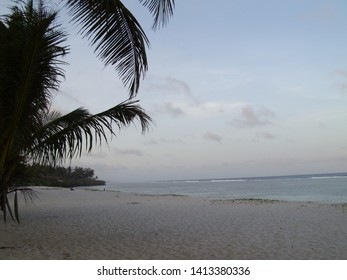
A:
<point x="31" y="48"/>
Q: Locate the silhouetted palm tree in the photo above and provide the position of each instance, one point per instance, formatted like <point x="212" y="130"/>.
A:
<point x="31" y="48"/>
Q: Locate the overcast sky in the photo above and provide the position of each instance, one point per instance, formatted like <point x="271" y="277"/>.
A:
<point x="235" y="88"/>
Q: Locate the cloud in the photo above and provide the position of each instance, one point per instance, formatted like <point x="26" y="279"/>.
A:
<point x="98" y="154"/>
<point x="213" y="137"/>
<point x="171" y="141"/>
<point x="252" y="118"/>
<point x="208" y="109"/>
<point x="151" y="142"/>
<point x="162" y="140"/>
<point x="169" y="84"/>
<point x="266" y="135"/>
<point x="249" y="116"/>
<point x="213" y="107"/>
<point x="178" y="85"/>
<point x="171" y="109"/>
<point x="342" y="74"/>
<point x="126" y="152"/>
<point x="325" y="12"/>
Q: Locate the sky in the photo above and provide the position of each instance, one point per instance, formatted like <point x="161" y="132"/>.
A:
<point x="235" y="89"/>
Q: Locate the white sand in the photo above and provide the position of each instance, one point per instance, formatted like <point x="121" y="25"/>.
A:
<point x="84" y="224"/>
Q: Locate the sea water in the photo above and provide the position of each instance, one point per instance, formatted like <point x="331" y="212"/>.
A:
<point x="323" y="188"/>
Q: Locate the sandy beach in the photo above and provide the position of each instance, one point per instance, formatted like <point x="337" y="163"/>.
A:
<point x="85" y="224"/>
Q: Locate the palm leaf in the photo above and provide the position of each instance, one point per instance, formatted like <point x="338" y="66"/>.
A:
<point x="3" y="197"/>
<point x="119" y="38"/>
<point x="16" y="213"/>
<point x="161" y="10"/>
<point x="69" y="135"/>
<point x="9" y="209"/>
<point x="29" y="194"/>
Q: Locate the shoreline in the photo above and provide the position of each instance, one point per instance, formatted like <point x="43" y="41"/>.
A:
<point x="289" y="188"/>
<point x="92" y="224"/>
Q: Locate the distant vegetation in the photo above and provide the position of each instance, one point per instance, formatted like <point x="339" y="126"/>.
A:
<point x="42" y="175"/>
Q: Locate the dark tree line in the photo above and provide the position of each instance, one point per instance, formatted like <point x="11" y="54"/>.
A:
<point x="42" y="175"/>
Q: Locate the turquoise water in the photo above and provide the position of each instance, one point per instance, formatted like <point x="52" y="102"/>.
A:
<point x="324" y="188"/>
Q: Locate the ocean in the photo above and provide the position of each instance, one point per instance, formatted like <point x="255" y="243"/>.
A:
<point x="323" y="188"/>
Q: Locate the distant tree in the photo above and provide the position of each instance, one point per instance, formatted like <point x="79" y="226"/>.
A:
<point x="80" y="172"/>
<point x="37" y="174"/>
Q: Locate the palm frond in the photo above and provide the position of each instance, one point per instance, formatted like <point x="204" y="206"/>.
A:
<point x="3" y="199"/>
<point x="120" y="40"/>
<point x="29" y="194"/>
<point x="16" y="212"/>
<point x="30" y="50"/>
<point x="161" y="10"/>
<point x="69" y="135"/>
